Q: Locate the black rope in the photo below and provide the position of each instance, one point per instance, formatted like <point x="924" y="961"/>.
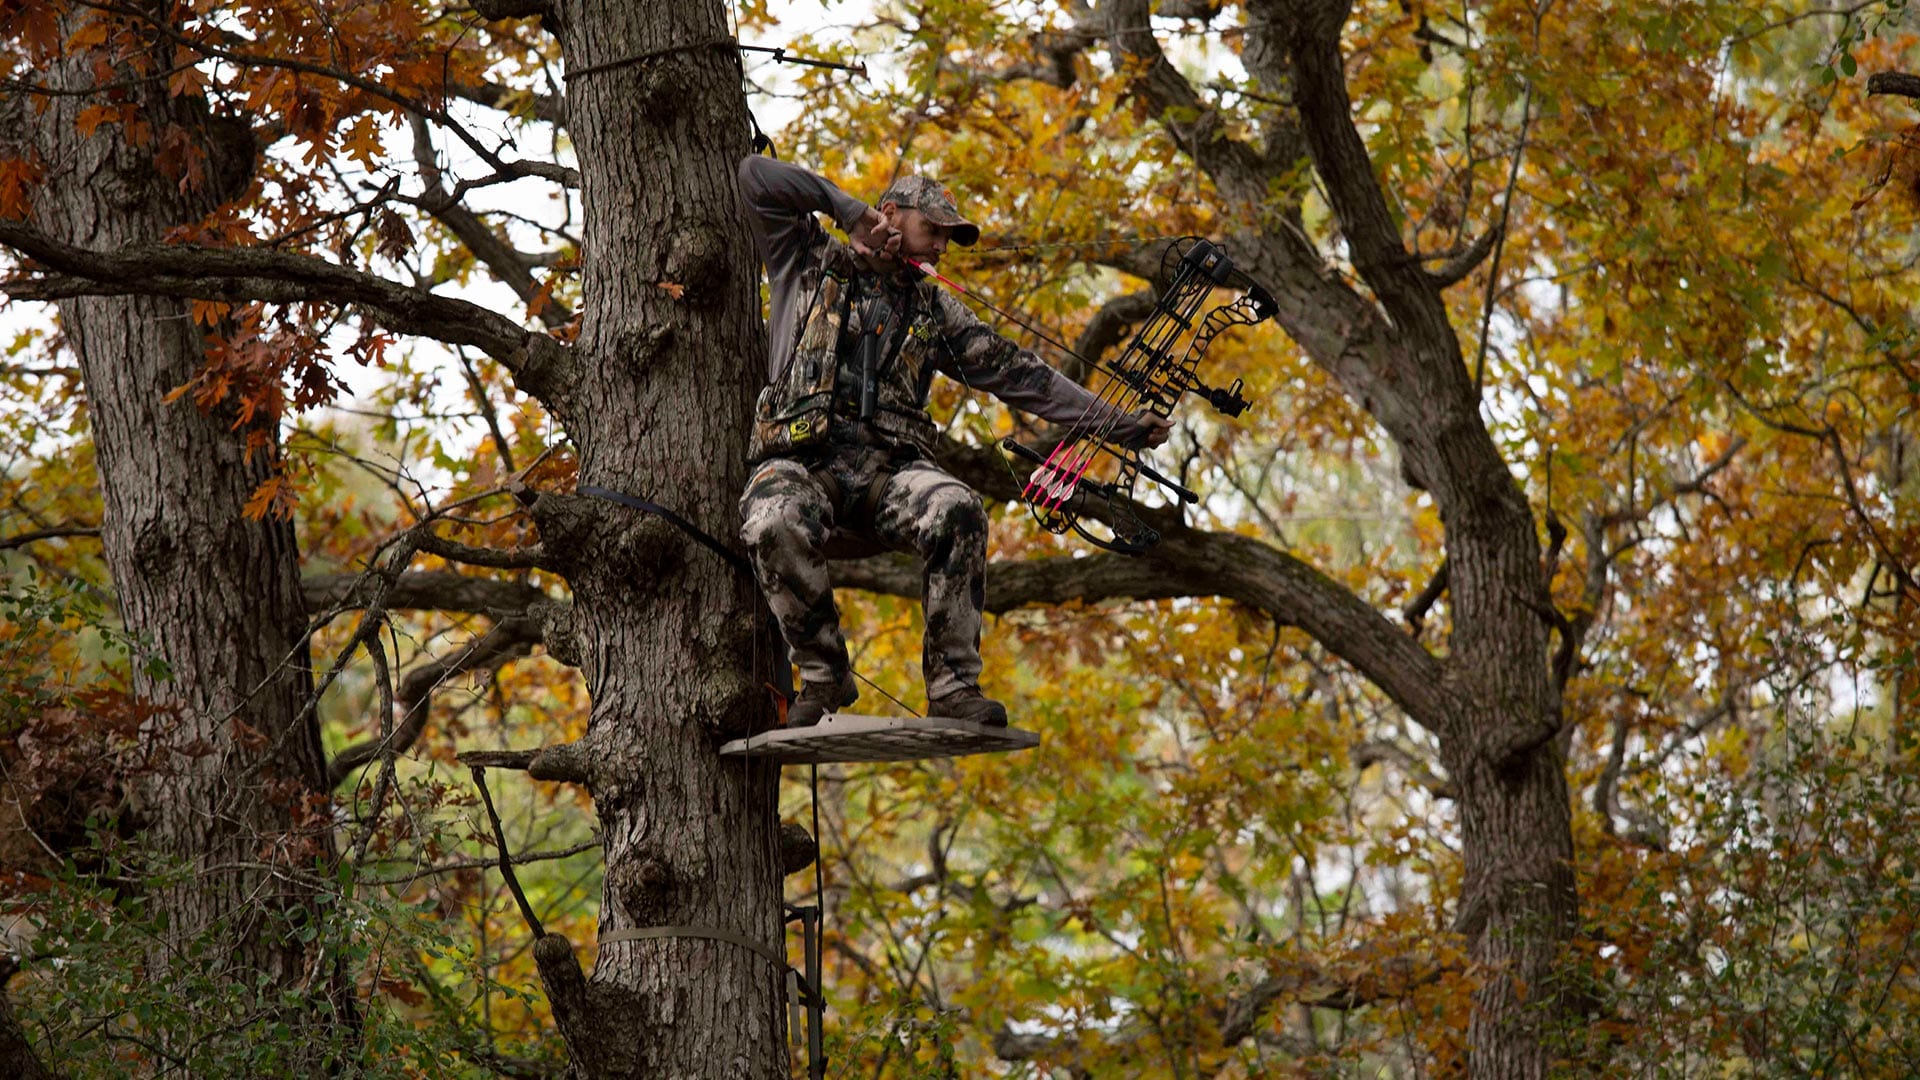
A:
<point x="737" y="561"/>
<point x="818" y="1066"/>
<point x="779" y="56"/>
<point x="762" y="142"/>
<point x="629" y="61"/>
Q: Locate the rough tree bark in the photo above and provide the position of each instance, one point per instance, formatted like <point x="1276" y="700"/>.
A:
<point x="667" y="631"/>
<point x="210" y="592"/>
<point x="1497" y="735"/>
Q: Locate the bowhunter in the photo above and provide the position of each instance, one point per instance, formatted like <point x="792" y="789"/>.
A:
<point x="842" y="444"/>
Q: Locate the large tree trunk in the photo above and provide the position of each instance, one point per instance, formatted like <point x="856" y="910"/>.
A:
<point x="1518" y="902"/>
<point x="210" y="593"/>
<point x="666" y="628"/>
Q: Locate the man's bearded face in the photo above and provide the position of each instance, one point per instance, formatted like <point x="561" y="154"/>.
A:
<point x="920" y="239"/>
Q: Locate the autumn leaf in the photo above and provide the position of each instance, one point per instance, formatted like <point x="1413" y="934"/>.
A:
<point x="93" y="116"/>
<point x="395" y="237"/>
<point x="91" y="33"/>
<point x="403" y="990"/>
<point x="362" y="142"/>
<point x="18" y="176"/>
<point x="275" y="497"/>
<point x="208" y="312"/>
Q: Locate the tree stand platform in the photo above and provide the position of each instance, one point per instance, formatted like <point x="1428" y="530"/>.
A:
<point x="845" y="737"/>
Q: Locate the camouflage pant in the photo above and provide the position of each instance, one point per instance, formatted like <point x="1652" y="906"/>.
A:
<point x="790" y="514"/>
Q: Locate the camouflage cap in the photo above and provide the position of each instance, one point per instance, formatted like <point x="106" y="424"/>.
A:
<point x="930" y="197"/>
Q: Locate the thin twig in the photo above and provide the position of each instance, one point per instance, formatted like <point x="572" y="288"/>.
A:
<point x="1500" y="239"/>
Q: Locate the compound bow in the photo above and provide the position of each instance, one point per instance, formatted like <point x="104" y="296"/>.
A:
<point x="1088" y="473"/>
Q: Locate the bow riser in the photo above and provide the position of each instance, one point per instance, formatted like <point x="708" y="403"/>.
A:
<point x="1151" y="373"/>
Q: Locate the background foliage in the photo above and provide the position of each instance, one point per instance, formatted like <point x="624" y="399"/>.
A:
<point x="1229" y="857"/>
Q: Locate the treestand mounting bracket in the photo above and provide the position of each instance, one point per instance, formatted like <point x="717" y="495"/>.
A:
<point x="845" y="737"/>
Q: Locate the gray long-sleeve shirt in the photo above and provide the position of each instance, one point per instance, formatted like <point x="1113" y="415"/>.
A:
<point x="781" y="201"/>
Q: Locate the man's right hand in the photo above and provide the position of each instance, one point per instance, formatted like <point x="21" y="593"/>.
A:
<point x="872" y="237"/>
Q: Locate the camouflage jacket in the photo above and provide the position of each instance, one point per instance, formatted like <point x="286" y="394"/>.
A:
<point x="833" y="320"/>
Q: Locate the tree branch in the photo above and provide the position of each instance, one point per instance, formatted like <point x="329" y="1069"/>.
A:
<point x="1106" y="329"/>
<point x="1240" y="172"/>
<point x="1395" y="978"/>
<point x="542" y="366"/>
<point x="434" y="590"/>
<point x="1372" y="753"/>
<point x="489" y="862"/>
<point x="508" y="265"/>
<point x="1454" y="270"/>
<point x="508" y="639"/>
<point x="526" y="558"/>
<point x="1054" y="54"/>
<point x="1193" y="562"/>
<point x="19" y="540"/>
<point x="1894" y="82"/>
<point x="1189" y="562"/>
<point x="496" y="10"/>
<point x="1340" y="157"/>
<point x="550" y="108"/>
<point x="1188" y="9"/>
<point x="1417" y="608"/>
<point x="1341" y="330"/>
<point x="371" y="87"/>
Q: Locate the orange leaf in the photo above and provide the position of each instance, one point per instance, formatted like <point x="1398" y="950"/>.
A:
<point x="189" y="81"/>
<point x="362" y="143"/>
<point x="403" y="990"/>
<point x="262" y="501"/>
<point x="16" y="178"/>
<point x="93" y="33"/>
<point x="93" y="116"/>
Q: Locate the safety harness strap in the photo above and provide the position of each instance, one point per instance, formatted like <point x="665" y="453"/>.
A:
<point x="739" y="562"/>
<point x="713" y="933"/>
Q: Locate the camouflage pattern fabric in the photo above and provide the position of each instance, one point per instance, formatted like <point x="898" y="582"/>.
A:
<point x="790" y="513"/>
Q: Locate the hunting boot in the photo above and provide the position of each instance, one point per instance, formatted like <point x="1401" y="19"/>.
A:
<point x="816" y="700"/>
<point x="969" y="704"/>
